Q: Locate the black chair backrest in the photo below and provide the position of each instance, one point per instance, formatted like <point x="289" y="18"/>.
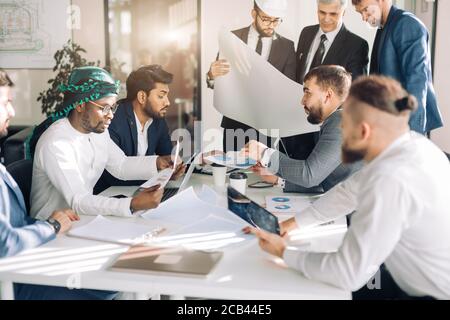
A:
<point x="22" y="172"/>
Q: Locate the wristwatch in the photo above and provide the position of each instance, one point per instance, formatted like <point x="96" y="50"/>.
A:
<point x="209" y="81"/>
<point x="55" y="224"/>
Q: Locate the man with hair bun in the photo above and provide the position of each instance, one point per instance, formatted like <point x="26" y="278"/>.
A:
<point x="400" y="201"/>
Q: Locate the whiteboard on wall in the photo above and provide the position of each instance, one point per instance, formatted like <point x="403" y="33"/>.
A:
<point x="31" y="31"/>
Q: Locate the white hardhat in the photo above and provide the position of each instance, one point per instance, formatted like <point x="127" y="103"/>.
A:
<point x="273" y="8"/>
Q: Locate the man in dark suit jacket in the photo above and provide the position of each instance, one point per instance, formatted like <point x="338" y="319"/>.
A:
<point x="401" y="51"/>
<point x="340" y="47"/>
<point x="138" y="126"/>
<point x="277" y="50"/>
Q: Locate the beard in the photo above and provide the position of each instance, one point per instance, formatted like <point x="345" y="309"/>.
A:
<point x="374" y="23"/>
<point x="152" y="114"/>
<point x="85" y="123"/>
<point x="315" y="117"/>
<point x="3" y="132"/>
<point x="350" y="156"/>
<point x="263" y="33"/>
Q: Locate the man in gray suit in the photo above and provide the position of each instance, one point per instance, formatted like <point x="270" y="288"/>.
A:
<point x="325" y="90"/>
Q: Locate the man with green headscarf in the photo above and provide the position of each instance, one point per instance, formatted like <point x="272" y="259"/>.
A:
<point x="72" y="153"/>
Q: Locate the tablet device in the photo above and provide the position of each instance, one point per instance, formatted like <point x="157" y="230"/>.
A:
<point x="252" y="212"/>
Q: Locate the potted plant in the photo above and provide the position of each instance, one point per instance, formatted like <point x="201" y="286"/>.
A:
<point x="67" y="59"/>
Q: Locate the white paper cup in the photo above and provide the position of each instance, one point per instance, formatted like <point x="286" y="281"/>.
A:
<point x="219" y="175"/>
<point x="238" y="181"/>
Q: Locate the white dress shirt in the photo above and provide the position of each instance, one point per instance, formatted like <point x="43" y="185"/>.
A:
<point x="402" y="218"/>
<point x="142" y="136"/>
<point x="253" y="37"/>
<point x="315" y="44"/>
<point x="68" y="164"/>
<point x="265" y="160"/>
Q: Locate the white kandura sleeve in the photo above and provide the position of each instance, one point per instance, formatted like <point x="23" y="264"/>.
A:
<point x="65" y="175"/>
<point x="129" y="168"/>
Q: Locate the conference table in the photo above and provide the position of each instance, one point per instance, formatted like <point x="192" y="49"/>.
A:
<point x="244" y="272"/>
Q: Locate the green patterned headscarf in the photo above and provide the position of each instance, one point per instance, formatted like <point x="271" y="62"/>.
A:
<point x="85" y="84"/>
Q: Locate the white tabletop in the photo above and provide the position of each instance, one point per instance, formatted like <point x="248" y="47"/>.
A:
<point x="245" y="272"/>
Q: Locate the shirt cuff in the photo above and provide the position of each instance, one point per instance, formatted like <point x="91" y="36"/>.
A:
<point x="265" y="160"/>
<point x="126" y="208"/>
<point x="209" y="82"/>
<point x="47" y="230"/>
<point x="281" y="183"/>
<point x="295" y="259"/>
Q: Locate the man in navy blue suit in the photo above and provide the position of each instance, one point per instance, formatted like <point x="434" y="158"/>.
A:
<point x="138" y="127"/>
<point x="401" y="51"/>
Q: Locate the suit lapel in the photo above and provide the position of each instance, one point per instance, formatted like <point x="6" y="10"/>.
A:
<point x="392" y="16"/>
<point x="243" y="34"/>
<point x="131" y="120"/>
<point x="152" y="138"/>
<point x="336" y="46"/>
<point x="303" y="51"/>
<point x="276" y="53"/>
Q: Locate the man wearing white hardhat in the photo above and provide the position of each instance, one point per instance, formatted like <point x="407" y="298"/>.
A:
<point x="261" y="36"/>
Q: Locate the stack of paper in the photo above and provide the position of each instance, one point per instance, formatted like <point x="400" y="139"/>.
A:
<point x="203" y="225"/>
<point x="102" y="229"/>
<point x="212" y="232"/>
<point x="163" y="177"/>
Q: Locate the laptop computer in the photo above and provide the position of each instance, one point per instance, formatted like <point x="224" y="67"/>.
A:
<point x="170" y="192"/>
<point x="176" y="261"/>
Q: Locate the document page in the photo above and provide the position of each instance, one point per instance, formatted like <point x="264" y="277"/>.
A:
<point x="257" y="94"/>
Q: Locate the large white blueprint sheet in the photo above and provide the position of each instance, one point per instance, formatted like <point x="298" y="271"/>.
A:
<point x="256" y="93"/>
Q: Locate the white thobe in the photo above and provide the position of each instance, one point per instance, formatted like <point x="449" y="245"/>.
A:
<point x="68" y="164"/>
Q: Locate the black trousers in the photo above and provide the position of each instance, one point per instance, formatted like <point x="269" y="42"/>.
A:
<point x="389" y="290"/>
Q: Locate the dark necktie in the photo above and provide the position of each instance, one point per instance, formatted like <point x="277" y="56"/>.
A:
<point x="259" y="46"/>
<point x="374" y="56"/>
<point x="318" y="57"/>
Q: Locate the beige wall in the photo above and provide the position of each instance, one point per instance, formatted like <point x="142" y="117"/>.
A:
<point x="29" y="82"/>
<point x="442" y="69"/>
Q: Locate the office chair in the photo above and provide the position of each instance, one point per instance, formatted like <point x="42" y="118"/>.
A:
<point x="22" y="171"/>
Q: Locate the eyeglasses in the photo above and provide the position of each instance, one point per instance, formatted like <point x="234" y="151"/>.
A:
<point x="106" y="109"/>
<point x="267" y="21"/>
